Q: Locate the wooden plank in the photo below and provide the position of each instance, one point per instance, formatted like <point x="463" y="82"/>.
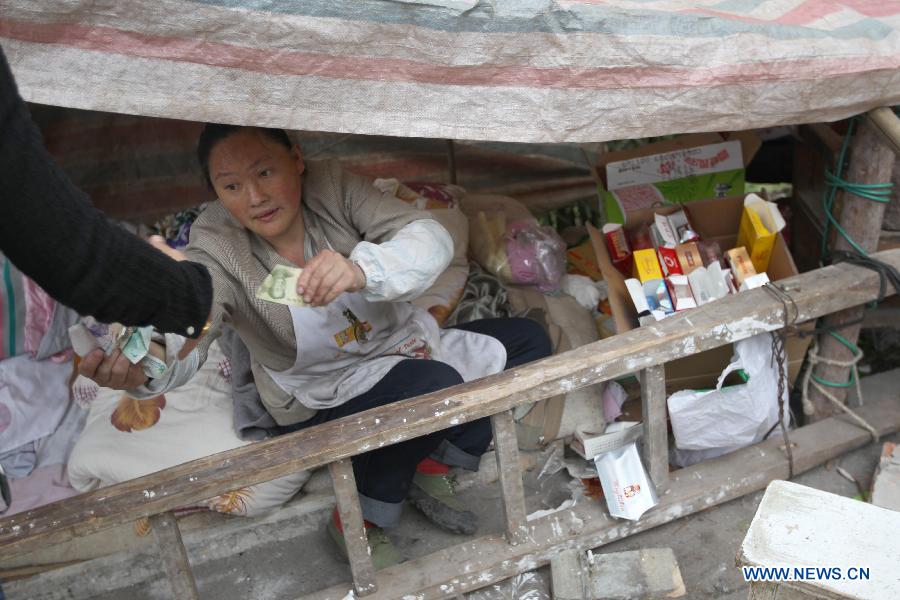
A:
<point x="796" y="526"/>
<point x="872" y="161"/>
<point x="709" y="326"/>
<point x="354" y="529"/>
<point x="488" y="559"/>
<point x="511" y="488"/>
<point x="655" y="441"/>
<point x="173" y="556"/>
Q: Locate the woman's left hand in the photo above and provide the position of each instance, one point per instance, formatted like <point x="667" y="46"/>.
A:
<point x="327" y="276"/>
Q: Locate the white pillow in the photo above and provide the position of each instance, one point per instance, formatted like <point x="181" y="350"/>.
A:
<point x="126" y="438"/>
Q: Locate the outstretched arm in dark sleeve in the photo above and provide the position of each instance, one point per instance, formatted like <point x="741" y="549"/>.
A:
<point x="52" y="233"/>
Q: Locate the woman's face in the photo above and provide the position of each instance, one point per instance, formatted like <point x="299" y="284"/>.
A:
<point x="258" y="181"/>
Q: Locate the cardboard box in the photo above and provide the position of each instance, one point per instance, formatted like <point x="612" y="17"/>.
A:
<point x="716" y="220"/>
<point x="684" y="169"/>
<point x="582" y="261"/>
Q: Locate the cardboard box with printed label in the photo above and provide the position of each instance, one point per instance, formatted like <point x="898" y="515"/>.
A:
<point x="715" y="220"/>
<point x="684" y="169"/>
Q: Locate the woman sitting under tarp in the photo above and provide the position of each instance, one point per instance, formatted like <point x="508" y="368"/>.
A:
<point x="350" y="341"/>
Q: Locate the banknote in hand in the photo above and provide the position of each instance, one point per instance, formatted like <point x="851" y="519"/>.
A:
<point x="280" y="286"/>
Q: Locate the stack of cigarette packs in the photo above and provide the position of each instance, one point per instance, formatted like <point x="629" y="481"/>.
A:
<point x="670" y="269"/>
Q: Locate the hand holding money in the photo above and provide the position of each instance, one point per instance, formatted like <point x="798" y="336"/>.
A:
<point x="326" y="276"/>
<point x="132" y="343"/>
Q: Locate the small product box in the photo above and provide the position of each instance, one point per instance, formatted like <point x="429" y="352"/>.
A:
<point x="646" y="265"/>
<point x="710" y="252"/>
<point x="760" y="223"/>
<point x="740" y="263"/>
<point x="754" y="281"/>
<point x="636" y="292"/>
<point x="680" y="292"/>
<point x="668" y="258"/>
<point x="640" y="238"/>
<point x="617" y="245"/>
<point x="689" y="257"/>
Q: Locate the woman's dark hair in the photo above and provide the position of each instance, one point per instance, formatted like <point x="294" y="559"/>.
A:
<point x="213" y="133"/>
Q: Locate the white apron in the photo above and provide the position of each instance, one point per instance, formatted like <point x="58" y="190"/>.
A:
<point x="346" y="347"/>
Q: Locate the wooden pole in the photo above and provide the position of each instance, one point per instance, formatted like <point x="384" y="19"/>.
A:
<point x="451" y="161"/>
<point x="871" y="161"/>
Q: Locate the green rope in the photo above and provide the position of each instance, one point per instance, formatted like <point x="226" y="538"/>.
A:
<point x="874" y="192"/>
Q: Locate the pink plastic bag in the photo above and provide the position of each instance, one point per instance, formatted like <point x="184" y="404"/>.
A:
<point x="536" y="254"/>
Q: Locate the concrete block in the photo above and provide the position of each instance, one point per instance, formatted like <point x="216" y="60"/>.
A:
<point x="648" y="573"/>
<point x="568" y="575"/>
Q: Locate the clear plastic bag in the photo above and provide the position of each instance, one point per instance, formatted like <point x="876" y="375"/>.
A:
<point x="525" y="586"/>
<point x="536" y="255"/>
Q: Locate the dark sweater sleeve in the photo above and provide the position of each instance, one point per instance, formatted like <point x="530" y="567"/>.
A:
<point x="50" y="230"/>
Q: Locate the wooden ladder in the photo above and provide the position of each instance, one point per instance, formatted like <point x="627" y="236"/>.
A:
<point x="525" y="544"/>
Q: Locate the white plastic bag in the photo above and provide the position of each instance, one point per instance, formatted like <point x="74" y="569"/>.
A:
<point x="725" y="419"/>
<point x="626" y="486"/>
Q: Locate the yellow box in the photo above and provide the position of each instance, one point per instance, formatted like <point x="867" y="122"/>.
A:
<point x="758" y="240"/>
<point x="646" y="265"/>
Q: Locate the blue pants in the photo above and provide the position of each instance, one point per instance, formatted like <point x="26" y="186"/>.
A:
<point x="383" y="476"/>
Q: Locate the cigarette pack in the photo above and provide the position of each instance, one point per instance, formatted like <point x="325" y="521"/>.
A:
<point x="639" y="238"/>
<point x="740" y="263"/>
<point x="668" y="258"/>
<point x="665" y="233"/>
<point x="617" y="245"/>
<point x="636" y="291"/>
<point x="689" y="257"/>
<point x="658" y="298"/>
<point x="754" y="281"/>
<point x="680" y="292"/>
<point x="710" y="252"/>
<point x="646" y="265"/>
<point x="720" y="281"/>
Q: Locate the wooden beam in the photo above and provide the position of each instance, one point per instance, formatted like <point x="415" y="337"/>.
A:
<point x="709" y="326"/>
<point x="355" y="537"/>
<point x="887" y="125"/>
<point x="871" y="161"/>
<point x="451" y="161"/>
<point x="511" y="488"/>
<point x="655" y="442"/>
<point x="488" y="559"/>
<point x="173" y="556"/>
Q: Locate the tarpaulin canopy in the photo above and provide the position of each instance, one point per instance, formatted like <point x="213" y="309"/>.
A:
<point x="511" y="70"/>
